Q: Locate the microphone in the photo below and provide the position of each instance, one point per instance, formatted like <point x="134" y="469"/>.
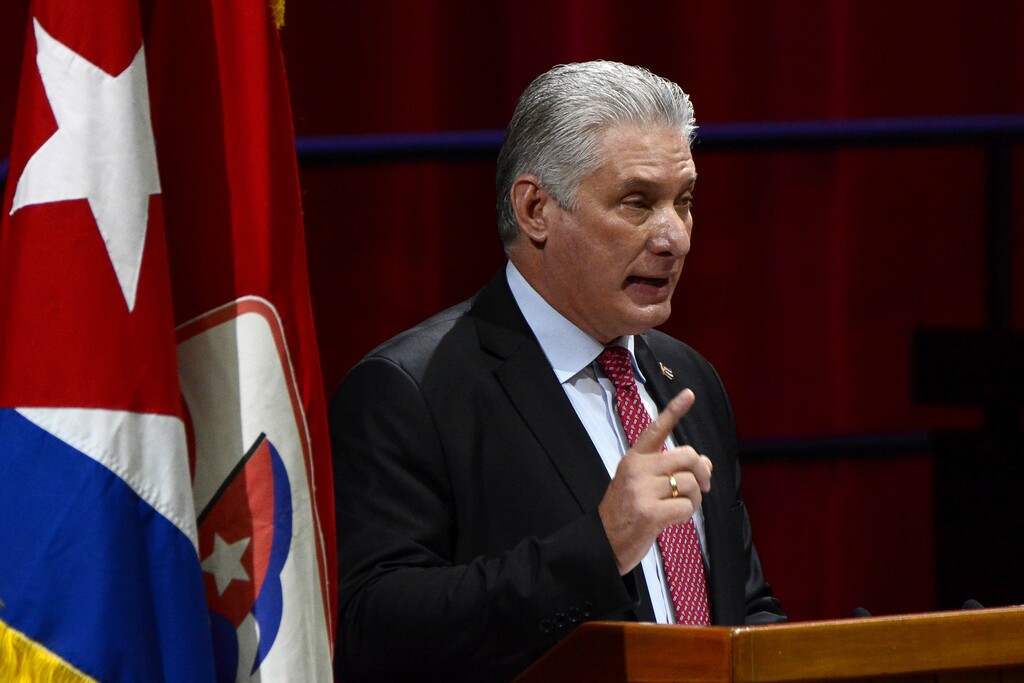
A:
<point x="972" y="604"/>
<point x="860" y="612"/>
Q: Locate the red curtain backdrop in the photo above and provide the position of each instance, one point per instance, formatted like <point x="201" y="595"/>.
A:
<point x="809" y="269"/>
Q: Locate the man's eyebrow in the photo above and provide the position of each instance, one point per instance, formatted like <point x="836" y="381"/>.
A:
<point x="636" y="183"/>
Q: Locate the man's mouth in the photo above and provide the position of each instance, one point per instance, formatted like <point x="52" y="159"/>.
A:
<point x="649" y="281"/>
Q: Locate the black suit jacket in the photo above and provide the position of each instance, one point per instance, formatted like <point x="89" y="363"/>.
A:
<point x="467" y="489"/>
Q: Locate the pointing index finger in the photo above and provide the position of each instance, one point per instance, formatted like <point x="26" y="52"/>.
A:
<point x="654" y="436"/>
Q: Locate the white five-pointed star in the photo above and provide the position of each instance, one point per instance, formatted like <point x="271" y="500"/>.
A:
<point x="103" y="151"/>
<point x="225" y="562"/>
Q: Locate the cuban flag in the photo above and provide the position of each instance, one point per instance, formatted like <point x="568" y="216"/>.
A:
<point x="164" y="473"/>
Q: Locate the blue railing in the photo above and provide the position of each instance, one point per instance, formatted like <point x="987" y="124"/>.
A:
<point x="728" y="137"/>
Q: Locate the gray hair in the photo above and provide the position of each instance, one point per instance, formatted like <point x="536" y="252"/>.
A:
<point x="557" y="125"/>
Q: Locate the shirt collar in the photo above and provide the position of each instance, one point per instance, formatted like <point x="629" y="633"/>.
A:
<point x="568" y="348"/>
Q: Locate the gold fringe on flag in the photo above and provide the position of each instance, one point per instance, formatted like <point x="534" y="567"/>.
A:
<point x="24" y="661"/>
<point x="277" y="9"/>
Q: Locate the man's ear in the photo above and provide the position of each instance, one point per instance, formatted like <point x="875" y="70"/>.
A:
<point x="532" y="205"/>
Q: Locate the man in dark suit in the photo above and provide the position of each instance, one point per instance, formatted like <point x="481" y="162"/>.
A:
<point x="496" y="480"/>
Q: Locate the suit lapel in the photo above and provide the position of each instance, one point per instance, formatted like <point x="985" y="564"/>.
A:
<point x="663" y="384"/>
<point x="536" y="394"/>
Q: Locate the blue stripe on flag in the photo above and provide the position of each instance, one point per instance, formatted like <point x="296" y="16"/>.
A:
<point x="90" y="570"/>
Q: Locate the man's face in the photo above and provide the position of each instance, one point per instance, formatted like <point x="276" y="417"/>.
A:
<point x="612" y="264"/>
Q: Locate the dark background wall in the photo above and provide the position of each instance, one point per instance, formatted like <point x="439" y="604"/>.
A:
<point x="809" y="272"/>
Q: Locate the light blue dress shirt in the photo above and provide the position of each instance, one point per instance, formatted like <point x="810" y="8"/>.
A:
<point x="572" y="355"/>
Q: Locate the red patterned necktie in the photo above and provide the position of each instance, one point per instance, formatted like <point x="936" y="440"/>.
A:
<point x="680" y="549"/>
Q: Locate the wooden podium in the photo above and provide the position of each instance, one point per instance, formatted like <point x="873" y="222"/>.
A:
<point x="967" y="646"/>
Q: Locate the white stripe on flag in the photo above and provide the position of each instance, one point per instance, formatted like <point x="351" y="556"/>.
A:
<point x="147" y="451"/>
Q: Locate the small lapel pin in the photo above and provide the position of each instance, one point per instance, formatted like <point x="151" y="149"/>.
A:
<point x="667" y="371"/>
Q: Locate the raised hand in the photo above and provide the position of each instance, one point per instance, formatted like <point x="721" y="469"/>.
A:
<point x="641" y="499"/>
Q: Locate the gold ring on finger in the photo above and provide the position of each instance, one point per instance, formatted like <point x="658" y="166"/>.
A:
<point x="675" y="486"/>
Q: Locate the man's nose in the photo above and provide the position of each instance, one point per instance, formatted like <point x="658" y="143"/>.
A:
<point x="671" y="236"/>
